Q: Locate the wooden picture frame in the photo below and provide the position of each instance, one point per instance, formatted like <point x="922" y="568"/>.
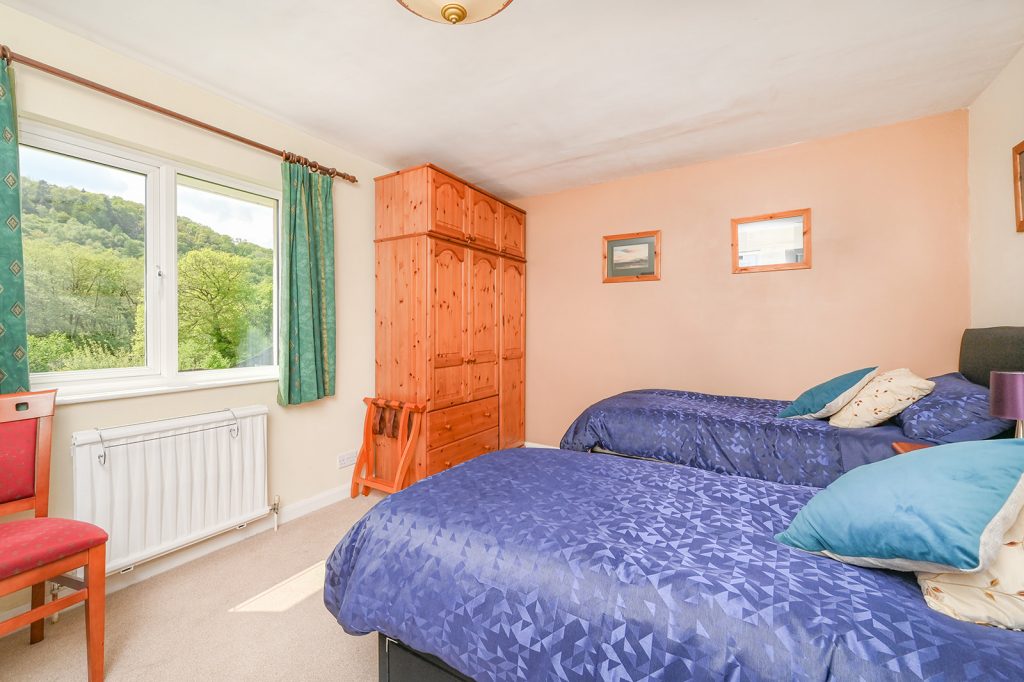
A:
<point x="1018" y="184"/>
<point x="803" y="264"/>
<point x="622" y="254"/>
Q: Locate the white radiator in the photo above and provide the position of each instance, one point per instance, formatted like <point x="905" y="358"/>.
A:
<point x="160" y="486"/>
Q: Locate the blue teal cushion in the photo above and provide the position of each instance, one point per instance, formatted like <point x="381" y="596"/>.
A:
<point x="824" y="400"/>
<point x="956" y="410"/>
<point x="942" y="509"/>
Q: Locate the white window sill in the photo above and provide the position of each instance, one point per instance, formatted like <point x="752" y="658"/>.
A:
<point x="70" y="393"/>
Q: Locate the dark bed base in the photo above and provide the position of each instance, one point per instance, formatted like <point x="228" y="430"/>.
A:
<point x="399" y="663"/>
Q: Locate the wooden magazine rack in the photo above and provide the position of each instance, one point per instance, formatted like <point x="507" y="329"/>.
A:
<point x="391" y="419"/>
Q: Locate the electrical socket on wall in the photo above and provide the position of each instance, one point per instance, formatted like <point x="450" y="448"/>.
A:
<point x="347" y="459"/>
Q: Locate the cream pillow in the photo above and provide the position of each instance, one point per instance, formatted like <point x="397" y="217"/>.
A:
<point x="991" y="596"/>
<point x="882" y="398"/>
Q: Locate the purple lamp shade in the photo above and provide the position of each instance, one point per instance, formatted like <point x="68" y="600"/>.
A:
<point x="1006" y="394"/>
<point x="1006" y="398"/>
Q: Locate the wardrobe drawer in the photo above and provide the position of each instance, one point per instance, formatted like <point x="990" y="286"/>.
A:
<point x="454" y="423"/>
<point x="462" y="450"/>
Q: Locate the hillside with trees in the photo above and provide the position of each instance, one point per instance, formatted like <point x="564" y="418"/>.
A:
<point x="85" y="286"/>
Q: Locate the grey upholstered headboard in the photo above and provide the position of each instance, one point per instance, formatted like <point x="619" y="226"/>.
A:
<point x="991" y="349"/>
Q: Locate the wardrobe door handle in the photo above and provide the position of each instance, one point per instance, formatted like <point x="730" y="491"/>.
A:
<point x="487" y="414"/>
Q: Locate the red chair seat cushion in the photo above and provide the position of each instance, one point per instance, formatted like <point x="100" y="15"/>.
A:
<point x="32" y="543"/>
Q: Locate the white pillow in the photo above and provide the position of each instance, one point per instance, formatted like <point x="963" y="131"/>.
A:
<point x="882" y="398"/>
<point x="991" y="596"/>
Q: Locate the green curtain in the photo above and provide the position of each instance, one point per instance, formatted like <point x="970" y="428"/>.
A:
<point x="13" y="325"/>
<point x="307" y="321"/>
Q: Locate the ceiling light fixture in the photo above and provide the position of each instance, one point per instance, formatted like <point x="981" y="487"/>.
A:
<point x="463" y="12"/>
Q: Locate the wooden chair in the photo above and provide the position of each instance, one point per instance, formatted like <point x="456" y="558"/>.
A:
<point x="38" y="549"/>
<point x="388" y="418"/>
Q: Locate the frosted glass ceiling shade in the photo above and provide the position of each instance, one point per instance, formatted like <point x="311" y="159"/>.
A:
<point x="461" y="12"/>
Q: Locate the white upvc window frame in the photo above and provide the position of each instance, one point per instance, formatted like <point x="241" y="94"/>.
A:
<point x="160" y="374"/>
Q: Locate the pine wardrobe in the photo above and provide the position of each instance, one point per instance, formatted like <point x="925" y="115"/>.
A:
<point x="450" y="315"/>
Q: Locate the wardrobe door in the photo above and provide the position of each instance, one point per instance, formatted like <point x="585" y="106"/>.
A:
<point x="483" y="325"/>
<point x="484" y="220"/>
<point x="512" y="414"/>
<point x="401" y="317"/>
<point x="449" y="284"/>
<point x="450" y="202"/>
<point x="513" y="231"/>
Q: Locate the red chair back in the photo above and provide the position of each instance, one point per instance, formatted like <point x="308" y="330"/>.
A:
<point x="25" y="436"/>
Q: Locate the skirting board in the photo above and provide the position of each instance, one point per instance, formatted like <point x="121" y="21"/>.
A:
<point x="539" y="445"/>
<point x="289" y="512"/>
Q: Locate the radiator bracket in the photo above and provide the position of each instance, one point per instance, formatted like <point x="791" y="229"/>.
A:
<point x="102" y="456"/>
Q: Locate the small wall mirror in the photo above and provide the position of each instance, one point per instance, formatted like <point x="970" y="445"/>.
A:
<point x="776" y="241"/>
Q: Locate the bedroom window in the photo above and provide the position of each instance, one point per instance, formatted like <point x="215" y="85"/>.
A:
<point x="143" y="275"/>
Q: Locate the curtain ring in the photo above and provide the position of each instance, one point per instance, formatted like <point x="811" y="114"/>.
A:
<point x="5" y="53"/>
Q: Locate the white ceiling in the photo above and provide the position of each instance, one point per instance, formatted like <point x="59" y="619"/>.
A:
<point x="558" y="93"/>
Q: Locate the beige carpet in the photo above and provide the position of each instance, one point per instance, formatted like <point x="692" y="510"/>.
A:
<point x="201" y="621"/>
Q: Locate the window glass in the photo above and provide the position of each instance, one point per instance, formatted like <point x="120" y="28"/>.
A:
<point x="225" y="243"/>
<point x="85" y="260"/>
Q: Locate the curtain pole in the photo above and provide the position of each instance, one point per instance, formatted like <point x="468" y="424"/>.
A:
<point x="7" y="54"/>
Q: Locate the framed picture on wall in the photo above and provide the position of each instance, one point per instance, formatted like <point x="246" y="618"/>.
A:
<point x="1018" y="184"/>
<point x="632" y="257"/>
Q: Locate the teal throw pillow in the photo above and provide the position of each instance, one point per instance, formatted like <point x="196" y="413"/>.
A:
<point x="824" y="400"/>
<point x="939" y="510"/>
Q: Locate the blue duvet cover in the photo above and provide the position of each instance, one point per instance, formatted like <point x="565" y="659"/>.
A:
<point x="553" y="565"/>
<point x="730" y="435"/>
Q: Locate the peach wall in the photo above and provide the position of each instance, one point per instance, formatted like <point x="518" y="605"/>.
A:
<point x="889" y="284"/>
<point x="997" y="249"/>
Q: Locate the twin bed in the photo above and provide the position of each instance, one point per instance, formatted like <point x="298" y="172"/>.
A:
<point x="567" y="565"/>
<point x="730" y="435"/>
<point x="745" y="436"/>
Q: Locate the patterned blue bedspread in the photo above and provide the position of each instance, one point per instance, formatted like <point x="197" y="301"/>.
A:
<point x="730" y="435"/>
<point x="552" y="565"/>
